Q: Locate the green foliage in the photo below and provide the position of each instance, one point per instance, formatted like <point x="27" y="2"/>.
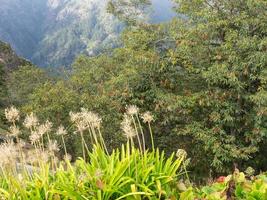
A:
<point x="2" y="85"/>
<point x="203" y="76"/>
<point x="224" y="43"/>
<point x="235" y="186"/>
<point x="3" y="92"/>
<point x="22" y="82"/>
<point x="125" y="173"/>
<point x="132" y="12"/>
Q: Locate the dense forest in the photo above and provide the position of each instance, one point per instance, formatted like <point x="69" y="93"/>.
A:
<point x="202" y="76"/>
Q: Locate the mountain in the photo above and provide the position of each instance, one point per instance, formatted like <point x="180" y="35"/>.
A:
<point x="75" y="27"/>
<point x="21" y="24"/>
<point x="54" y="32"/>
<point x="9" y="60"/>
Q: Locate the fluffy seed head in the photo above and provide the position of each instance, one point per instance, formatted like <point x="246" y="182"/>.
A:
<point x="61" y="131"/>
<point x="132" y="110"/>
<point x="85" y="119"/>
<point x="147" y="117"/>
<point x="30" y="121"/>
<point x="67" y="157"/>
<point x="14" y="131"/>
<point x="181" y="153"/>
<point x="8" y="154"/>
<point x="44" y="128"/>
<point x="53" y="146"/>
<point x="34" y="137"/>
<point x="91" y="118"/>
<point x="126" y="126"/>
<point x="12" y="114"/>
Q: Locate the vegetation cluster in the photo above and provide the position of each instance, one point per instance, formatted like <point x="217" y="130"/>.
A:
<point x="203" y="76"/>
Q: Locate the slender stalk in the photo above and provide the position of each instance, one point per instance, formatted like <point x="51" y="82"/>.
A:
<point x="85" y="144"/>
<point x="151" y="136"/>
<point x="103" y="141"/>
<point x="64" y="145"/>
<point x="48" y="137"/>
<point x="82" y="145"/>
<point x="94" y="134"/>
<point x="42" y="140"/>
<point x="135" y="163"/>
<point x="128" y="154"/>
<point x="136" y="130"/>
<point x="142" y="133"/>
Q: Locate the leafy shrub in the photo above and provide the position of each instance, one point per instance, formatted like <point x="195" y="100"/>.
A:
<point x="236" y="186"/>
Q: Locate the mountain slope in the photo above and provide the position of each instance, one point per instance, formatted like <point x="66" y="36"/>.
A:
<point x="54" y="32"/>
<point x="9" y="60"/>
<point x="75" y="27"/>
<point x="20" y="24"/>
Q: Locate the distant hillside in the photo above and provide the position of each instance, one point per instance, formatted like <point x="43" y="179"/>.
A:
<point x="54" y="32"/>
<point x="8" y="62"/>
<point x="75" y="27"/>
<point x="9" y="59"/>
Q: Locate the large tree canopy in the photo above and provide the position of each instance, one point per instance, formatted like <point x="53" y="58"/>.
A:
<point x="224" y="43"/>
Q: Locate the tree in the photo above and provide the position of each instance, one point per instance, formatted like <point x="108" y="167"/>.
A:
<point x="23" y="81"/>
<point x="132" y="12"/>
<point x="224" y="43"/>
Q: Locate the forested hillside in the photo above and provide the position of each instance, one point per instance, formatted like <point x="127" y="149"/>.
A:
<point x="9" y="61"/>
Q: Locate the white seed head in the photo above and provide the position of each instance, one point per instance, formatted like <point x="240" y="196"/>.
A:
<point x="53" y="146"/>
<point x="181" y="153"/>
<point x="34" y="137"/>
<point x="132" y="110"/>
<point x="14" y="131"/>
<point x="95" y="120"/>
<point x="44" y="155"/>
<point x="90" y="118"/>
<point x="8" y="154"/>
<point x="30" y="121"/>
<point x="74" y="117"/>
<point x="126" y="126"/>
<point x="67" y="157"/>
<point x="61" y="131"/>
<point x="85" y="119"/>
<point x="147" y="117"/>
<point x="81" y="126"/>
<point x="12" y="114"/>
<point x="44" y="128"/>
